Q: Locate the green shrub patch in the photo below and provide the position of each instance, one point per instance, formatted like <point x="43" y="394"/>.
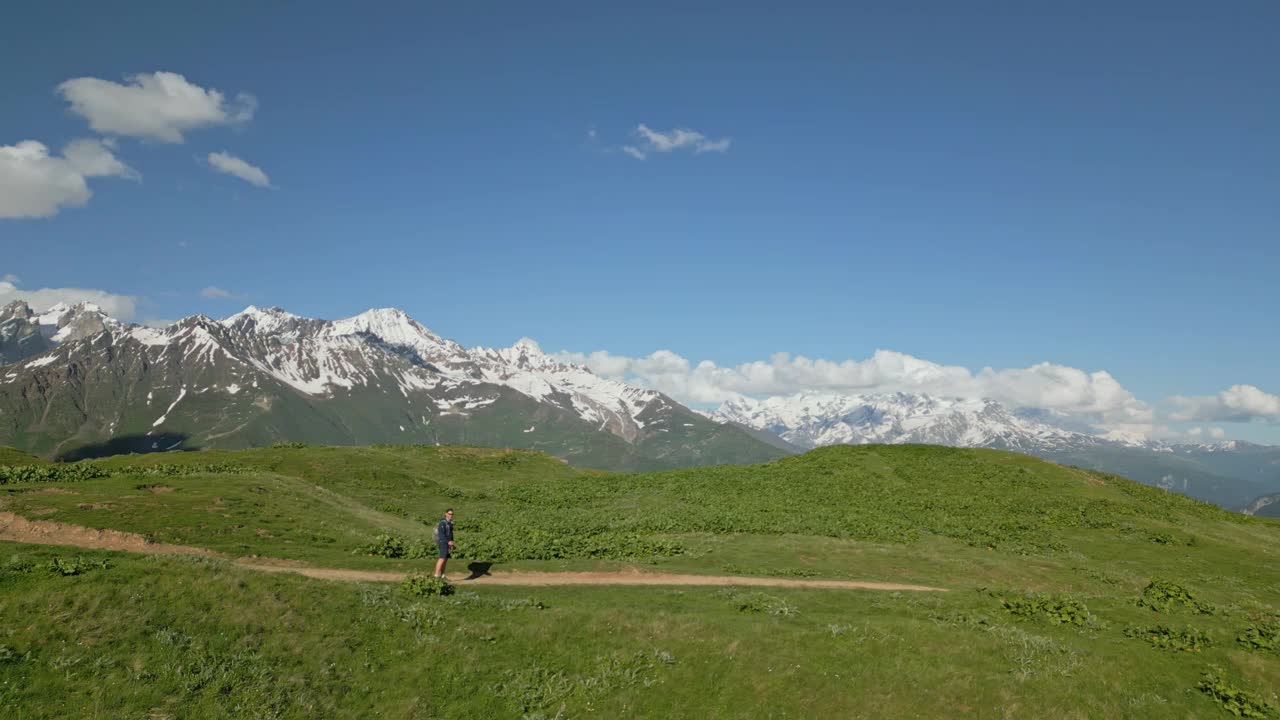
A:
<point x="80" y="472"/>
<point x="1263" y="636"/>
<point x="172" y="470"/>
<point x="74" y="566"/>
<point x="14" y="474"/>
<point x="426" y="586"/>
<point x="1234" y="700"/>
<point x="1187" y="639"/>
<point x="387" y="546"/>
<point x="758" y="602"/>
<point x="1165" y="596"/>
<point x="1057" y="609"/>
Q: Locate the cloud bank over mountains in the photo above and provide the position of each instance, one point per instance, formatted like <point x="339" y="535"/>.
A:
<point x="1095" y="397"/>
<point x="1238" y="403"/>
<point x="121" y="307"/>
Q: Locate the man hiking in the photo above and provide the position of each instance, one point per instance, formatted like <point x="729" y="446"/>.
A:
<point x="444" y="541"/>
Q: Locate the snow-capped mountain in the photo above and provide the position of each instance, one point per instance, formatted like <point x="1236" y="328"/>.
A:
<point x="1226" y="472"/>
<point x="523" y="367"/>
<point x="78" y="378"/>
<point x="75" y="382"/>
<point x="24" y="332"/>
<point x="818" y="419"/>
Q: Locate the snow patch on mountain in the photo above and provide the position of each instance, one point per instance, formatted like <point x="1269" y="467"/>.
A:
<point x="268" y="321"/>
<point x="149" y="336"/>
<point x="52" y="316"/>
<point x="397" y="329"/>
<point x="42" y="361"/>
<point x="159" y="421"/>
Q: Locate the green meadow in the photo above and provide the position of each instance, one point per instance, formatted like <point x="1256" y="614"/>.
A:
<point x="1071" y="593"/>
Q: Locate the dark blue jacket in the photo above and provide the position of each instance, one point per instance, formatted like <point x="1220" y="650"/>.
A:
<point x="444" y="532"/>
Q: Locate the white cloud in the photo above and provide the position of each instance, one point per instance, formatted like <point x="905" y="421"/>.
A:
<point x="11" y="278"/>
<point x="156" y="106"/>
<point x="216" y="293"/>
<point x="656" y="141"/>
<point x="35" y="183"/>
<point x="1213" y="433"/>
<point x="721" y="145"/>
<point x="121" y="307"/>
<point x="93" y="158"/>
<point x="1096" y="395"/>
<point x="232" y="165"/>
<point x="1238" y="403"/>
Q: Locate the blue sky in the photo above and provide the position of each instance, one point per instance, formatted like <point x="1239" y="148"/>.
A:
<point x="975" y="184"/>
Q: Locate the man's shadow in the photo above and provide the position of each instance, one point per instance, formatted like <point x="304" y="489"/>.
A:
<point x="478" y="569"/>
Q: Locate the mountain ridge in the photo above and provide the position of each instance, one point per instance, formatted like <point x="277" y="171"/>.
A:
<point x="265" y="375"/>
<point x="76" y="382"/>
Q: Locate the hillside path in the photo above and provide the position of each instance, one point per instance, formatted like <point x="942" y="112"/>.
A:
<point x="43" y="532"/>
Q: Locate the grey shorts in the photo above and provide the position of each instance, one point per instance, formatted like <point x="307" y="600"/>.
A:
<point x="444" y="551"/>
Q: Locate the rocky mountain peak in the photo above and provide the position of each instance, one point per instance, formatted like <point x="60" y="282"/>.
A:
<point x="16" y="310"/>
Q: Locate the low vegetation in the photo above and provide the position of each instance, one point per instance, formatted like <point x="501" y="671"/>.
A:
<point x="1237" y="701"/>
<point x="1187" y="639"/>
<point x="1056" y="609"/>
<point x="48" y="473"/>
<point x="1113" y="599"/>
<point x="1264" y="636"/>
<point x="1166" y="596"/>
<point x="420" y="585"/>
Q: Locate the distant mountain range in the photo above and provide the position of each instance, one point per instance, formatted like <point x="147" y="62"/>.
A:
<point x="77" y="383"/>
<point x="1229" y="473"/>
<point x="80" y="383"/>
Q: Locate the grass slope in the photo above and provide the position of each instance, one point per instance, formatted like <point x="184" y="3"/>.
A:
<point x="13" y="456"/>
<point x="1046" y="564"/>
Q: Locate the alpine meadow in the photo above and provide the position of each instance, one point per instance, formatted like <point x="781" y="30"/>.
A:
<point x="685" y="361"/>
<point x="177" y="583"/>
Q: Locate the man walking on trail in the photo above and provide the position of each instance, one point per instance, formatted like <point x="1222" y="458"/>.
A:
<point x="444" y="541"/>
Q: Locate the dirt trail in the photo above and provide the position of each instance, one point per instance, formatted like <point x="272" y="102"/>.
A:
<point x="43" y="532"/>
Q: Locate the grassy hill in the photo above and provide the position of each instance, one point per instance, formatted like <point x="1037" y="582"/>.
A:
<point x="13" y="456"/>
<point x="1072" y="593"/>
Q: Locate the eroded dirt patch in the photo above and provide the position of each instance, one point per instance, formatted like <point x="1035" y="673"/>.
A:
<point x="44" y="532"/>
